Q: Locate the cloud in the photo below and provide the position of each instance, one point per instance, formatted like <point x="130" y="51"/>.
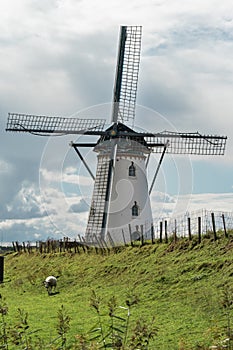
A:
<point x="79" y="207"/>
<point x="175" y="206"/>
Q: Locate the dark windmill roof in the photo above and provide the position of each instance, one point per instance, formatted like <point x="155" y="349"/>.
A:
<point x="119" y="130"/>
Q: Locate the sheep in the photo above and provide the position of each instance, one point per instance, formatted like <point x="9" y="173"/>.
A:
<point x="50" y="284"/>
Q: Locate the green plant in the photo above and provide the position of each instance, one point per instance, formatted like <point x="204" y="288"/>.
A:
<point x="227" y="305"/>
<point x="63" y="325"/>
<point x="98" y="329"/>
<point x="3" y="332"/>
<point x="114" y="332"/>
<point x="142" y="333"/>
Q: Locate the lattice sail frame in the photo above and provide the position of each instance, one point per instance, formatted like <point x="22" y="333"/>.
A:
<point x="187" y="143"/>
<point x="57" y="125"/>
<point x="126" y="81"/>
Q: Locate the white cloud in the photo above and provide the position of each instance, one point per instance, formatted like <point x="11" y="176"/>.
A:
<point x="178" y="205"/>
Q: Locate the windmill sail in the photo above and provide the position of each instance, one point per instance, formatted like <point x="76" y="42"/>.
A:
<point x="125" y="89"/>
<point x="97" y="209"/>
<point x="47" y="125"/>
<point x="187" y="143"/>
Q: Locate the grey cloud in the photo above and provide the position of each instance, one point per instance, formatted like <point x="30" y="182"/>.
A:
<point x="79" y="207"/>
<point x="23" y="233"/>
<point x="189" y="32"/>
<point x="24" y="204"/>
<point x="161" y="197"/>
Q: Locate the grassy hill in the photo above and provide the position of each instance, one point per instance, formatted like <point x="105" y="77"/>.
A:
<point x="186" y="287"/>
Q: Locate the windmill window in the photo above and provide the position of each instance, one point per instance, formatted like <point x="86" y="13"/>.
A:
<point x="132" y="170"/>
<point x="135" y="209"/>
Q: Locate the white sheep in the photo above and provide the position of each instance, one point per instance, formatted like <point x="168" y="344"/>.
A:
<point x="50" y="284"/>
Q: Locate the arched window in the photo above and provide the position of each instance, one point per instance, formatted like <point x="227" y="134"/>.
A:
<point x="132" y="169"/>
<point x="135" y="209"/>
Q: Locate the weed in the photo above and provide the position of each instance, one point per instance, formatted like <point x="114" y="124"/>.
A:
<point x="227" y="305"/>
<point x="142" y="334"/>
<point x="3" y="331"/>
<point x="114" y="333"/>
<point x="63" y="325"/>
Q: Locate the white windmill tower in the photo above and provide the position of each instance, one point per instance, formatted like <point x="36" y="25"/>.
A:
<point x="120" y="206"/>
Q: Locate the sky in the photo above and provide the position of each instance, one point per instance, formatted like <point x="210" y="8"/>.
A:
<point x="58" y="58"/>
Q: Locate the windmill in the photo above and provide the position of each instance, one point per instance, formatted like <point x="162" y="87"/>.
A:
<point x="120" y="207"/>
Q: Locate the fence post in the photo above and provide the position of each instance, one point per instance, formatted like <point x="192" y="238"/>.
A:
<point x="111" y="241"/>
<point x="199" y="229"/>
<point x="24" y="247"/>
<point x="152" y="234"/>
<point x="175" y="233"/>
<point x="161" y="232"/>
<point x="130" y="235"/>
<point x="105" y="244"/>
<point x="13" y="243"/>
<point x="123" y="235"/>
<point x="189" y="229"/>
<point x="224" y="226"/>
<point x="142" y="238"/>
<point x="1" y="268"/>
<point x="101" y="244"/>
<point x="165" y="228"/>
<point x="84" y="244"/>
<point x="214" y="228"/>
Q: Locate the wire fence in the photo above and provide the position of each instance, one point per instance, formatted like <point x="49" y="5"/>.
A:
<point x="187" y="223"/>
<point x="193" y="224"/>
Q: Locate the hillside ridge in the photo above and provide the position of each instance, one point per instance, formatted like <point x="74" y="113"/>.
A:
<point x="179" y="284"/>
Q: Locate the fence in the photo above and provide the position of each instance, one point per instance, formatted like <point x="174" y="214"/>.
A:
<point x="189" y="225"/>
<point x="196" y="222"/>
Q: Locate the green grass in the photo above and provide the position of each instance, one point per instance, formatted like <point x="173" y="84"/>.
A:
<point x="181" y="285"/>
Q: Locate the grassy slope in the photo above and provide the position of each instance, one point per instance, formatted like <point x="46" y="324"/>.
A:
<point x="180" y="285"/>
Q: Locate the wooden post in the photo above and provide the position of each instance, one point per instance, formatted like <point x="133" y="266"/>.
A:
<point x="75" y="246"/>
<point x="214" y="227"/>
<point x="24" y="247"/>
<point x="199" y="229"/>
<point x="101" y="244"/>
<point x="105" y="244"/>
<point x="1" y="268"/>
<point x="152" y="234"/>
<point x="13" y="243"/>
<point x="161" y="232"/>
<point x="29" y="247"/>
<point x="130" y="235"/>
<point x="85" y="245"/>
<point x="189" y="229"/>
<point x="224" y="226"/>
<point x="111" y="240"/>
<point x="175" y="233"/>
<point x="60" y="245"/>
<point x="165" y="229"/>
<point x="123" y="235"/>
<point x="96" y="244"/>
<point x="17" y="246"/>
<point x="142" y="237"/>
